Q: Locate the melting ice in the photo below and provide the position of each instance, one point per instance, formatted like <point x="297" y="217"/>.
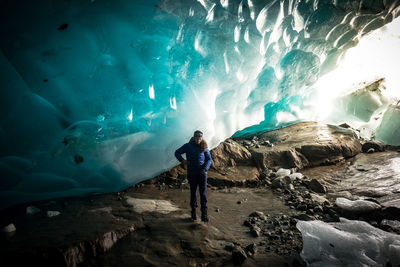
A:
<point x="348" y="243"/>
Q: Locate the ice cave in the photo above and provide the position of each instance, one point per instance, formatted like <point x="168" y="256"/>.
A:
<point x="96" y="95"/>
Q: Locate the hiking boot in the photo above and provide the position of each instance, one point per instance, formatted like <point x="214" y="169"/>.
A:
<point x="193" y="214"/>
<point x="204" y="217"/>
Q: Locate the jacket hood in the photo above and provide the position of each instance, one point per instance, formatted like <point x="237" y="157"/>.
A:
<point x="202" y="146"/>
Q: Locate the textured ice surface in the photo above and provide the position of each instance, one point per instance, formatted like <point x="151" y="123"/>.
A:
<point x="96" y="95"/>
<point x="389" y="130"/>
<point x="348" y="243"/>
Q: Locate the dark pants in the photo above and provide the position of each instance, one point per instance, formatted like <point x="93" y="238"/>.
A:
<point x="198" y="180"/>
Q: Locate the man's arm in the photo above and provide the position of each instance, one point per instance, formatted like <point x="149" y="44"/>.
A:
<point x="179" y="152"/>
<point x="207" y="160"/>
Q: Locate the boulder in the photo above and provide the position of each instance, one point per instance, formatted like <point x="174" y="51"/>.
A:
<point x="357" y="206"/>
<point x="306" y="144"/>
<point x="230" y="153"/>
<point x="233" y="176"/>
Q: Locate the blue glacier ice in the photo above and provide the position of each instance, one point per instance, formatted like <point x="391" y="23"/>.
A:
<point x="96" y="95"/>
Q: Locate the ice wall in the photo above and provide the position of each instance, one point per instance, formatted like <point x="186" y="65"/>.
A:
<point x="363" y="90"/>
<point x="96" y="95"/>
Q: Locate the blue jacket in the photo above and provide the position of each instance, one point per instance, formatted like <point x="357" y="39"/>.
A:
<point x="197" y="160"/>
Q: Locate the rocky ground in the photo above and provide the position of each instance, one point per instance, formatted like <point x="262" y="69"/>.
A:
<point x="260" y="186"/>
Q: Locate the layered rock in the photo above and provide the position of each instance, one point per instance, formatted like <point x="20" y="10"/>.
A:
<point x="304" y="145"/>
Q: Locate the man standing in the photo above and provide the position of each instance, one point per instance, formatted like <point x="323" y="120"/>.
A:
<point x="198" y="161"/>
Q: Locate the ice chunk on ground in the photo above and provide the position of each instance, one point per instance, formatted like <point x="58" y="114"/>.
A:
<point x="389" y="130"/>
<point x="363" y="102"/>
<point x="151" y="205"/>
<point x="53" y="213"/>
<point x="348" y="243"/>
<point x="283" y="172"/>
<point x="9" y="228"/>
<point x="296" y="176"/>
<point x="356" y="205"/>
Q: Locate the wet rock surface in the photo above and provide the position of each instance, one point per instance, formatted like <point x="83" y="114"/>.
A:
<point x="259" y="188"/>
<point x="303" y="145"/>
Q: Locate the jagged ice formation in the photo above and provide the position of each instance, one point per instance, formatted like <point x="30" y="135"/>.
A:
<point x="97" y="95"/>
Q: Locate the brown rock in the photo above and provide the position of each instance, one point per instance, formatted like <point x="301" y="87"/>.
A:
<point x="304" y="145"/>
<point x="230" y="153"/>
<point x="233" y="176"/>
<point x="238" y="255"/>
<point x="251" y="249"/>
<point x="258" y="214"/>
<point x="255" y="231"/>
<point x="375" y="145"/>
<point x="316" y="186"/>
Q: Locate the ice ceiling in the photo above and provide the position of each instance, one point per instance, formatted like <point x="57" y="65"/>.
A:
<point x="97" y="95"/>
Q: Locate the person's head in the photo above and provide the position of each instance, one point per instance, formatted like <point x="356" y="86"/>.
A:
<point x="198" y="137"/>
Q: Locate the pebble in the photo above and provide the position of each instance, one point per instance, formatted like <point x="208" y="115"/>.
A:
<point x="255" y="231"/>
<point x="251" y="249"/>
<point x="258" y="215"/>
